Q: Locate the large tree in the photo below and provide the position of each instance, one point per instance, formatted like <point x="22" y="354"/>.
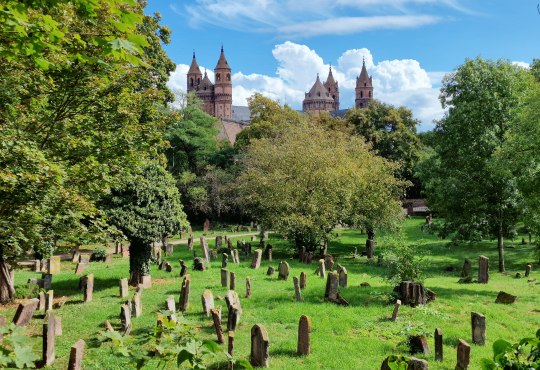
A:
<point x="304" y="180"/>
<point x="466" y="184"/>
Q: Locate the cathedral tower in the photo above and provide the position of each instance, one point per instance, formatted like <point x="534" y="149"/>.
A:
<point x="364" y="88"/>
<point x="223" y="88"/>
<point x="194" y="75"/>
<point x="333" y="89"/>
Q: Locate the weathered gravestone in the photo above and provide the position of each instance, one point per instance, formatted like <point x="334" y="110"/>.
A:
<point x="224" y="260"/>
<point x="463" y="355"/>
<point x="248" y="287"/>
<point x="80" y="268"/>
<point x="108" y="326"/>
<point x="204" y="249"/>
<point x="297" y="291"/>
<point x="183" y="302"/>
<point x="256" y="261"/>
<point x="224" y="278"/>
<point x="342" y="271"/>
<point x="46" y="281"/>
<point x="88" y="287"/>
<point x="190" y="243"/>
<point x="54" y="265"/>
<point x="328" y="262"/>
<point x="136" y="304"/>
<point x="283" y="271"/>
<point x="125" y="319"/>
<point x="207" y="300"/>
<point x="321" y="271"/>
<point x="230" y="344"/>
<point x="37" y="266"/>
<point x="233" y="317"/>
<point x="206" y="225"/>
<point x="438" y="338"/>
<point x="124" y="287"/>
<point x="418" y="344"/>
<point x="259" y="346"/>
<point x="483" y="269"/>
<point x="412" y="364"/>
<point x="76" y="355"/>
<point x="25" y="311"/>
<point x="49" y="300"/>
<point x="232" y="299"/>
<point x="171" y="306"/>
<point x="236" y="256"/>
<point x="49" y="334"/>
<point x="478" y="328"/>
<point x="303" y="279"/>
<point x="332" y="289"/>
<point x="505" y="298"/>
<point x="304" y="336"/>
<point x="396" y="310"/>
<point x="219" y="241"/>
<point x="183" y="268"/>
<point x="125" y="251"/>
<point x="199" y="264"/>
<point x="528" y="269"/>
<point x="42" y="301"/>
<point x="216" y="317"/>
<point x="466" y="275"/>
<point x="75" y="254"/>
<point x="412" y="293"/>
<point x="270" y="271"/>
<point x="232" y="281"/>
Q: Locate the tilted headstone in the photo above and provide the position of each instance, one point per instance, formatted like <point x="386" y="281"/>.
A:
<point x="25" y="311"/>
<point x="49" y="334"/>
<point x="89" y="288"/>
<point x="204" y="249"/>
<point x="304" y="336"/>
<point x="478" y="327"/>
<point x="54" y="265"/>
<point x="396" y="310"/>
<point x="136" y="304"/>
<point x="224" y="278"/>
<point x="483" y="269"/>
<point x="190" y="243"/>
<point x="232" y="299"/>
<point x="216" y="317"/>
<point x="438" y="338"/>
<point x="342" y="271"/>
<point x="321" y="270"/>
<point x="76" y="355"/>
<point x="259" y="346"/>
<point x="224" y="260"/>
<point x="125" y="319"/>
<point x="207" y="300"/>
<point x="505" y="298"/>
<point x="256" y="261"/>
<point x="183" y="268"/>
<point x="232" y="281"/>
<point x="248" y="287"/>
<point x="303" y="280"/>
<point x="108" y="326"/>
<point x="49" y="300"/>
<point x="328" y="262"/>
<point x="418" y="344"/>
<point x="463" y="355"/>
<point x="283" y="271"/>
<point x="233" y="317"/>
<point x="183" y="303"/>
<point x="332" y="284"/>
<point x="171" y="306"/>
<point x="297" y="291"/>
<point x="199" y="264"/>
<point x="124" y="287"/>
<point x="270" y="271"/>
<point x="237" y="256"/>
<point x="80" y="268"/>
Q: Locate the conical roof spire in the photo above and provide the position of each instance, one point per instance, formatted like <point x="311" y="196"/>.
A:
<point x="330" y="78"/>
<point x="194" y="68"/>
<point x="318" y="92"/>
<point x="364" y="76"/>
<point x="222" y="62"/>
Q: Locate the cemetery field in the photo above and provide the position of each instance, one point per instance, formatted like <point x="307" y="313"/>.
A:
<point x="356" y="337"/>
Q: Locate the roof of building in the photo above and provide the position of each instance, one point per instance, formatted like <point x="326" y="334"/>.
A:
<point x="240" y="113"/>
<point x="364" y="76"/>
<point x="222" y="62"/>
<point x="318" y="92"/>
<point x="228" y="130"/>
<point x="330" y="79"/>
<point x="194" y="68"/>
<point x="206" y="84"/>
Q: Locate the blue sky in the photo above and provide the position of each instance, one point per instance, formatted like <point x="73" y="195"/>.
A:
<point x="277" y="47"/>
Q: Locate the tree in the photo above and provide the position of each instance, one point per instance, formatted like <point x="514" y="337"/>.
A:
<point x="145" y="207"/>
<point x="392" y="133"/>
<point x="305" y="180"/>
<point x="466" y="184"/>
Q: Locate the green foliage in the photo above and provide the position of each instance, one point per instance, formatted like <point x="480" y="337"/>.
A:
<point x="305" y="180"/>
<point x="25" y="291"/>
<point x="404" y="263"/>
<point x="99" y="254"/>
<point x="398" y="362"/>
<point x="524" y="355"/>
<point x="15" y="349"/>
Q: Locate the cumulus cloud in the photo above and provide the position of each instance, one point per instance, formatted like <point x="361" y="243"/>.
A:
<point x="399" y="82"/>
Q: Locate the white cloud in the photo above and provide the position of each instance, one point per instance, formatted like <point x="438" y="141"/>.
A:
<point x="398" y="82"/>
<point x="522" y="64"/>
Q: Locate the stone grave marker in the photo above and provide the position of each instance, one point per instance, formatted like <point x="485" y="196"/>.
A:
<point x="297" y="291"/>
<point x="124" y="287"/>
<point x="256" y="261"/>
<point x="46" y="281"/>
<point x="183" y="303"/>
<point x="232" y="281"/>
<point x="37" y="266"/>
<point x="321" y="270"/>
<point x="483" y="269"/>
<point x="49" y="300"/>
<point x="505" y="298"/>
<point x="136" y="304"/>
<point x="199" y="264"/>
<point x="342" y="271"/>
<point x="108" y="326"/>
<point x="463" y="355"/>
<point x="466" y="274"/>
<point x="171" y="306"/>
<point x="76" y="355"/>
<point x="332" y="284"/>
<point x="207" y="299"/>
<point x="80" y="268"/>
<point x="84" y="258"/>
<point x="259" y="346"/>
<point x="270" y="271"/>
<point x="283" y="271"/>
<point x="125" y="251"/>
<point x="204" y="249"/>
<point x="237" y="256"/>
<point x="224" y="260"/>
<point x="248" y="287"/>
<point x="125" y="319"/>
<point x="49" y="334"/>
<point x="528" y="269"/>
<point x="216" y="317"/>
<point x="418" y="344"/>
<point x="54" y="265"/>
<point x="88" y="288"/>
<point x="183" y="268"/>
<point x="234" y="316"/>
<point x="206" y="225"/>
<point x="57" y="325"/>
<point x="42" y="301"/>
<point x="232" y="299"/>
<point x="303" y="279"/>
<point x="25" y="311"/>
<point x="396" y="310"/>
<point x="438" y="338"/>
<point x="219" y="241"/>
<point x="190" y="243"/>
<point x="478" y="327"/>
<point x="304" y="336"/>
<point x="224" y="278"/>
<point x="230" y="344"/>
<point x="328" y="262"/>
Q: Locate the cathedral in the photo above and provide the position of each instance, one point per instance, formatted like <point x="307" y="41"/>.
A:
<point x="324" y="97"/>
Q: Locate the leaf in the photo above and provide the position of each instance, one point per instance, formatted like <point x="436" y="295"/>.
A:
<point x="500" y="346"/>
<point x="487" y="364"/>
<point x="24" y="356"/>
<point x="42" y="63"/>
<point x="212" y="346"/>
<point x="243" y="364"/>
<point x="184" y="355"/>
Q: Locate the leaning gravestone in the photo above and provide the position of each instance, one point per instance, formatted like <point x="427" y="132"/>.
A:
<point x="232" y="299"/>
<point x="303" y="278"/>
<point x="505" y="298"/>
<point x="270" y="271"/>
<point x="171" y="306"/>
<point x="125" y="319"/>
<point x="190" y="243"/>
<point x="342" y="271"/>
<point x="483" y="269"/>
<point x="184" y="294"/>
<point x="418" y="344"/>
<point x="224" y="278"/>
<point x="332" y="284"/>
<point x="248" y="287"/>
<point x="124" y="288"/>
<point x="204" y="249"/>
<point x="233" y="317"/>
<point x="478" y="327"/>
<point x="136" y="304"/>
<point x="304" y="336"/>
<point x="232" y="281"/>
<point x="76" y="355"/>
<point x="25" y="311"/>
<point x="259" y="346"/>
<point x="463" y="355"/>
<point x="438" y="338"/>
<point x="49" y="334"/>
<point x="297" y="291"/>
<point x="199" y="264"/>
<point x="328" y="262"/>
<point x="183" y="268"/>
<point x="224" y="260"/>
<point x="321" y="271"/>
<point x="396" y="310"/>
<point x="216" y="317"/>
<point x="283" y="271"/>
<point x="207" y="299"/>
<point x="219" y="241"/>
<point x="256" y="261"/>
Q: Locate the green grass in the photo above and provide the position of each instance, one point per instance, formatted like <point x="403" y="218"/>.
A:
<point x="355" y="337"/>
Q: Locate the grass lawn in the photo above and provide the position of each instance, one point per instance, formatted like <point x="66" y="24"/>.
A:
<point x="356" y="337"/>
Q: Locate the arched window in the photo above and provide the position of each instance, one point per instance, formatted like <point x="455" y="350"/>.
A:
<point x="361" y="94"/>
<point x="198" y="81"/>
<point x="319" y="93"/>
<point x="218" y="77"/>
<point x="370" y="94"/>
<point x="228" y="76"/>
<point x="365" y="84"/>
<point x="191" y="81"/>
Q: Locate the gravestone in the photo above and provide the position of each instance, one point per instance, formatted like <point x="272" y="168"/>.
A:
<point x="505" y="298"/>
<point x="183" y="302"/>
<point x="190" y="243"/>
<point x="199" y="264"/>
<point x="216" y="317"/>
<point x="124" y="287"/>
<point x="25" y="311"/>
<point x="304" y="336"/>
<point x="54" y="265"/>
<point x="49" y="300"/>
<point x="342" y="271"/>
<point x="328" y="262"/>
<point x="297" y="291"/>
<point x="80" y="268"/>
<point x="230" y="344"/>
<point x="219" y="241"/>
<point x="438" y="338"/>
<point x="206" y="225"/>
<point x="332" y="284"/>
<point x="232" y="280"/>
<point x="321" y="271"/>
<point x="224" y="278"/>
<point x="57" y="325"/>
<point x="270" y="271"/>
<point x="478" y="327"/>
<point x="396" y="310"/>
<point x="232" y="299"/>
<point x="483" y="269"/>
<point x="136" y="304"/>
<point x="171" y="306"/>
<point x="418" y="344"/>
<point x="42" y="301"/>
<point x="204" y="249"/>
<point x="528" y="269"/>
<point x="207" y="300"/>
<point x="412" y="293"/>
<point x="259" y="346"/>
<point x="125" y="251"/>
<point x="84" y="258"/>
<point x="37" y="266"/>
<point x="466" y="275"/>
<point x="236" y="255"/>
<point x="224" y="260"/>
<point x="302" y="282"/>
<point x="125" y="319"/>
<point x="49" y="335"/>
<point x="248" y="287"/>
<point x="283" y="271"/>
<point x="88" y="288"/>
<point x="46" y="281"/>
<point x="183" y="268"/>
<point x="463" y="355"/>
<point x="76" y="355"/>
<point x="412" y="364"/>
<point x="256" y="261"/>
<point x="233" y="317"/>
<point x="108" y="326"/>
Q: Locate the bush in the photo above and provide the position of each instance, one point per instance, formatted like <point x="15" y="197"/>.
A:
<point x="99" y="254"/>
<point x="524" y="355"/>
<point x="403" y="264"/>
<point x="29" y="290"/>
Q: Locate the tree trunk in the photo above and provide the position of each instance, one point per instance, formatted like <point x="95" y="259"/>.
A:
<point x="500" y="246"/>
<point x="139" y="261"/>
<point x="7" y="288"/>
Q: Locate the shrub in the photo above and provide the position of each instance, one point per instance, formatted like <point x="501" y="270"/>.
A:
<point x="15" y="348"/>
<point x="29" y="290"/>
<point x="403" y="264"/>
<point x="524" y="355"/>
<point x="99" y="254"/>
